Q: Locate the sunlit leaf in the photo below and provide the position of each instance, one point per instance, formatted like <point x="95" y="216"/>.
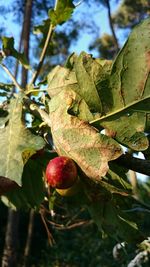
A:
<point x="86" y="69"/>
<point x="15" y="139"/>
<point x="62" y="13"/>
<point x="128" y="86"/>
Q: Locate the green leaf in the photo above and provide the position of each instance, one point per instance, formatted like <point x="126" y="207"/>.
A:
<point x="16" y="142"/>
<point x="62" y="13"/>
<point x="81" y="75"/>
<point x="32" y="191"/>
<point x="71" y="61"/>
<point x="130" y="80"/>
<point x="42" y="28"/>
<point x="129" y="130"/>
<point x="6" y="86"/>
<point x="108" y="220"/>
<point x="117" y="176"/>
<point x="129" y="85"/>
<point x="86" y="70"/>
<point x="61" y="78"/>
<point x="3" y="94"/>
<point x="77" y="139"/>
<point x="114" y="189"/>
<point x="9" y="50"/>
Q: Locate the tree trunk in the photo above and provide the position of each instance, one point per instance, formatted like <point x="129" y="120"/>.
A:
<point x="111" y="25"/>
<point x="11" y="240"/>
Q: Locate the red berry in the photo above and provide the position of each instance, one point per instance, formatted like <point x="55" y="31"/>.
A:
<point x="61" y="172"/>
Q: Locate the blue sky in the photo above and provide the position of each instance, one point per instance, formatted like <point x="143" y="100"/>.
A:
<point x="99" y="16"/>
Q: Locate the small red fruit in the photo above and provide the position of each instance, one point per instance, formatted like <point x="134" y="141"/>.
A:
<point x="61" y="172"/>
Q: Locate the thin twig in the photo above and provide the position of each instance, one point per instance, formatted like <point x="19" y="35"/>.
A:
<point x="75" y="216"/>
<point x="79" y="3"/>
<point x="71" y="226"/>
<point x="49" y="35"/>
<point x="12" y="77"/>
<point x="35" y="91"/>
<point x="74" y="225"/>
<point x="50" y="237"/>
<point x="44" y="50"/>
<point x="56" y="4"/>
<point x="133" y="181"/>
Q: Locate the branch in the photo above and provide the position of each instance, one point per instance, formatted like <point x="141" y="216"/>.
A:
<point x="12" y="77"/>
<point x="72" y="226"/>
<point x="43" y="53"/>
<point x="37" y="111"/>
<point x="49" y="35"/>
<point x="135" y="164"/>
<point x="49" y="235"/>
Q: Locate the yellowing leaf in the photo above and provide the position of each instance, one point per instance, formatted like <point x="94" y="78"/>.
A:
<point x="77" y="139"/>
